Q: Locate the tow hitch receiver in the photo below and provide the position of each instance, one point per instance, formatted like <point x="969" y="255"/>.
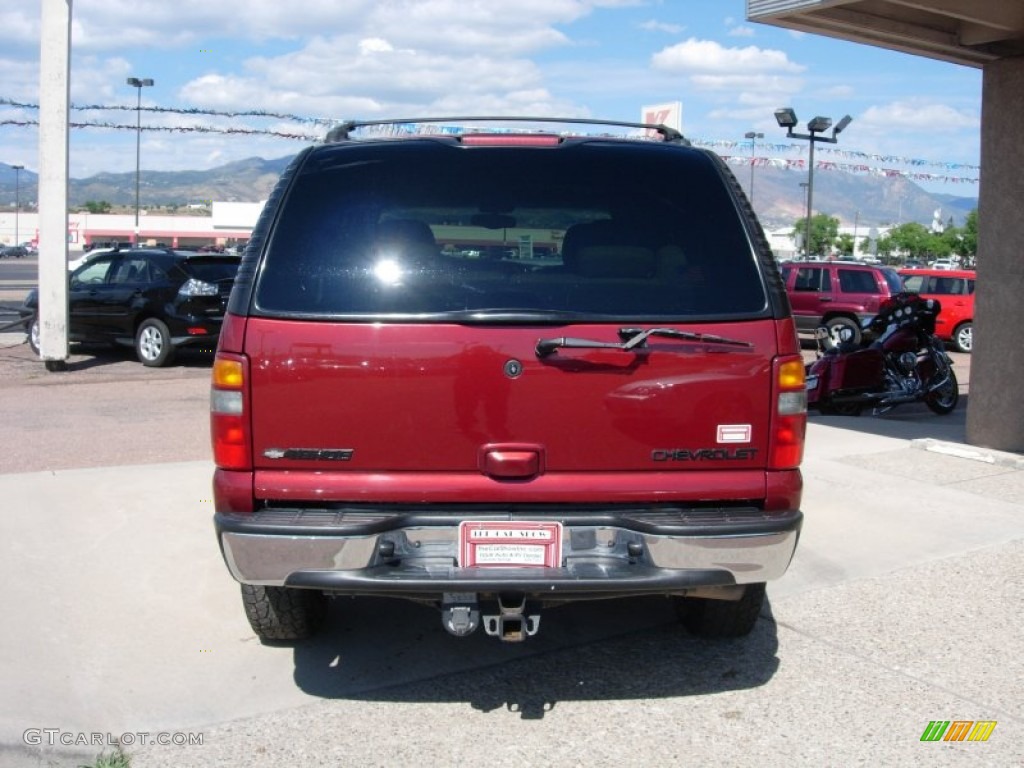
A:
<point x="512" y="624"/>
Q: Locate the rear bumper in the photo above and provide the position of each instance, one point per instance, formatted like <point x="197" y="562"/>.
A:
<point x="603" y="554"/>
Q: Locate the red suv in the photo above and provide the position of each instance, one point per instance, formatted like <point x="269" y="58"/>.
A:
<point x="840" y="295"/>
<point x="955" y="291"/>
<point x="500" y="369"/>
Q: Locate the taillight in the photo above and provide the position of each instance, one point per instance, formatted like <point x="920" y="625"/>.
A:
<point x="229" y="423"/>
<point x="510" y="140"/>
<point x="789" y="422"/>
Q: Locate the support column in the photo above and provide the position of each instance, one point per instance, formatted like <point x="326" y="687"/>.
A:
<point x="54" y="85"/>
<point x="995" y="411"/>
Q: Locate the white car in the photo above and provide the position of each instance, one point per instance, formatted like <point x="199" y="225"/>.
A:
<point x="943" y="264"/>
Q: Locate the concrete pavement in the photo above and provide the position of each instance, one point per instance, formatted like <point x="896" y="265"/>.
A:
<point x="902" y="606"/>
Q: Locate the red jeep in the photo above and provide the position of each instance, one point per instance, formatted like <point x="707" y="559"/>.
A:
<point x="501" y="369"/>
<point x="837" y="294"/>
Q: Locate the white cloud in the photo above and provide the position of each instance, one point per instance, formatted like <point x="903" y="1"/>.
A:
<point x="918" y="115"/>
<point x="741" y="31"/>
<point x="653" y="25"/>
<point x="707" y="56"/>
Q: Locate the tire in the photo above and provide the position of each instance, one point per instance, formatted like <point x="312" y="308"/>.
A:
<point x="843" y="329"/>
<point x="281" y="614"/>
<point x="153" y="343"/>
<point x="963" y="337"/>
<point x="33" y="334"/>
<point x="721" y="618"/>
<point x="943" y="401"/>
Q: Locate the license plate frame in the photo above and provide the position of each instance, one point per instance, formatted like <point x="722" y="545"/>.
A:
<point x="510" y="544"/>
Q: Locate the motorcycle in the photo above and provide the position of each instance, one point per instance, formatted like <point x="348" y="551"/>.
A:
<point x="898" y="360"/>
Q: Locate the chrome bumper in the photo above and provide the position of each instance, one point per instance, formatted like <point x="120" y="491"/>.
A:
<point x="596" y="559"/>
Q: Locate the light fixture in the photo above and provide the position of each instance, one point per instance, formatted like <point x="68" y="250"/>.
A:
<point x="753" y="136"/>
<point x="786" y="118"/>
<point x="138" y="83"/>
<point x="17" y="200"/>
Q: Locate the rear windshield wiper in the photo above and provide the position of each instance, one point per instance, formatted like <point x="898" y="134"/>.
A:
<point x="632" y="339"/>
<point x="637" y="337"/>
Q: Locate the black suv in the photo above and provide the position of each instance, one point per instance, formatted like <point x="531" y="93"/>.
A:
<point x="497" y="370"/>
<point x="154" y="299"/>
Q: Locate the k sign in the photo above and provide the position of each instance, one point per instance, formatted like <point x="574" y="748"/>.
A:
<point x="670" y="115"/>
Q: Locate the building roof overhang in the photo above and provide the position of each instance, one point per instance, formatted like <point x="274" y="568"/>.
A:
<point x="969" y="32"/>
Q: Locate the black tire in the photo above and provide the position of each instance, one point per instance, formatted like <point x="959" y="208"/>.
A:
<point x="843" y="329"/>
<point x="32" y="330"/>
<point x="721" y="618"/>
<point x="943" y="401"/>
<point x="153" y="343"/>
<point x="963" y="337"/>
<point x="280" y="614"/>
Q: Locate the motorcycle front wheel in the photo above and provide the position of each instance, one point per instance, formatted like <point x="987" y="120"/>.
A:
<point x="944" y="399"/>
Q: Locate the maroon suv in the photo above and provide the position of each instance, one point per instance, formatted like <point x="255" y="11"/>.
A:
<point x="837" y="294"/>
<point x="500" y="369"/>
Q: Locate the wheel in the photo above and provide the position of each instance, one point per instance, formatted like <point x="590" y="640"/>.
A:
<point x="281" y="613"/>
<point x="944" y="399"/>
<point x="33" y="334"/>
<point x="843" y="330"/>
<point x="963" y="337"/>
<point x="153" y="343"/>
<point x="721" y="618"/>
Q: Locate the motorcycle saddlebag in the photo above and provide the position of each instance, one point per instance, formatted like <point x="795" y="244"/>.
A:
<point x="857" y="370"/>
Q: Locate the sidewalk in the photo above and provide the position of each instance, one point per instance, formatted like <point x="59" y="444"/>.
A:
<point x="902" y="606"/>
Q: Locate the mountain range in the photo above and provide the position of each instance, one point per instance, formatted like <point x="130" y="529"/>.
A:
<point x="779" y="195"/>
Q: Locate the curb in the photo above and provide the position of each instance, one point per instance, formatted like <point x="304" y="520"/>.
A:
<point x="985" y="455"/>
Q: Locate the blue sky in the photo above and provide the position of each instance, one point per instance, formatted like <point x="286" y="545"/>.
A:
<point x="396" y="58"/>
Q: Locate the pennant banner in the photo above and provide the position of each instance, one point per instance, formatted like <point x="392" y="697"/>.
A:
<point x="954" y="171"/>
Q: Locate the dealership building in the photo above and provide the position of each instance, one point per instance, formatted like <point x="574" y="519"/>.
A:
<point x="225" y="225"/>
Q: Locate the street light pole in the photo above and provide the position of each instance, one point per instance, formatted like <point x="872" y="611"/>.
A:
<point x="786" y="118"/>
<point x="138" y="84"/>
<point x="17" y="200"/>
<point x="753" y="140"/>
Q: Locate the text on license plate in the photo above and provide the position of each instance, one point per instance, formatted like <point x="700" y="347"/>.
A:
<point x="506" y="544"/>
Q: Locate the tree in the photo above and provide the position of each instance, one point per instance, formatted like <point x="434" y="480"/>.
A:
<point x="967" y="248"/>
<point x="98" y="206"/>
<point x="844" y="244"/>
<point x="824" y="229"/>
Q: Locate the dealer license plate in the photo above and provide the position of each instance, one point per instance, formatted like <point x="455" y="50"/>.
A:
<point x="505" y="544"/>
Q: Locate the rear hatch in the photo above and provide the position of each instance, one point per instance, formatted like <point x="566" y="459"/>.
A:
<point x="419" y="332"/>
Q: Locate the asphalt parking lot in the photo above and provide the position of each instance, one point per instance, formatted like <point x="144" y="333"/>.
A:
<point x="901" y="608"/>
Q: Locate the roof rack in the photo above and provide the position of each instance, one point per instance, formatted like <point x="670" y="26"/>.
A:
<point x="343" y="131"/>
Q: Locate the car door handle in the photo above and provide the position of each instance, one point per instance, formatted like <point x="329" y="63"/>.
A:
<point x="824" y="298"/>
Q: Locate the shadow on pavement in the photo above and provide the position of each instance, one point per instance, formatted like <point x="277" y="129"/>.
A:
<point x="84" y="357"/>
<point x="396" y="651"/>
<point x="905" y="422"/>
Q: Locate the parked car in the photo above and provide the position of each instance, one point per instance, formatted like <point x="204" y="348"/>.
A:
<point x="155" y="300"/>
<point x="393" y="416"/>
<point x="942" y="264"/>
<point x="838" y="295"/>
<point x="955" y="291"/>
<point x="13" y="252"/>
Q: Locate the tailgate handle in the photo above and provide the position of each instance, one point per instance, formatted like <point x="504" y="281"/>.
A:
<point x="518" y="462"/>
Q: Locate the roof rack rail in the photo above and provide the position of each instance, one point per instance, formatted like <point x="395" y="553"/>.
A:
<point x="343" y="131"/>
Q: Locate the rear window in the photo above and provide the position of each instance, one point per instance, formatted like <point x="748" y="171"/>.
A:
<point x="213" y="269"/>
<point x="857" y="281"/>
<point x="425" y="229"/>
